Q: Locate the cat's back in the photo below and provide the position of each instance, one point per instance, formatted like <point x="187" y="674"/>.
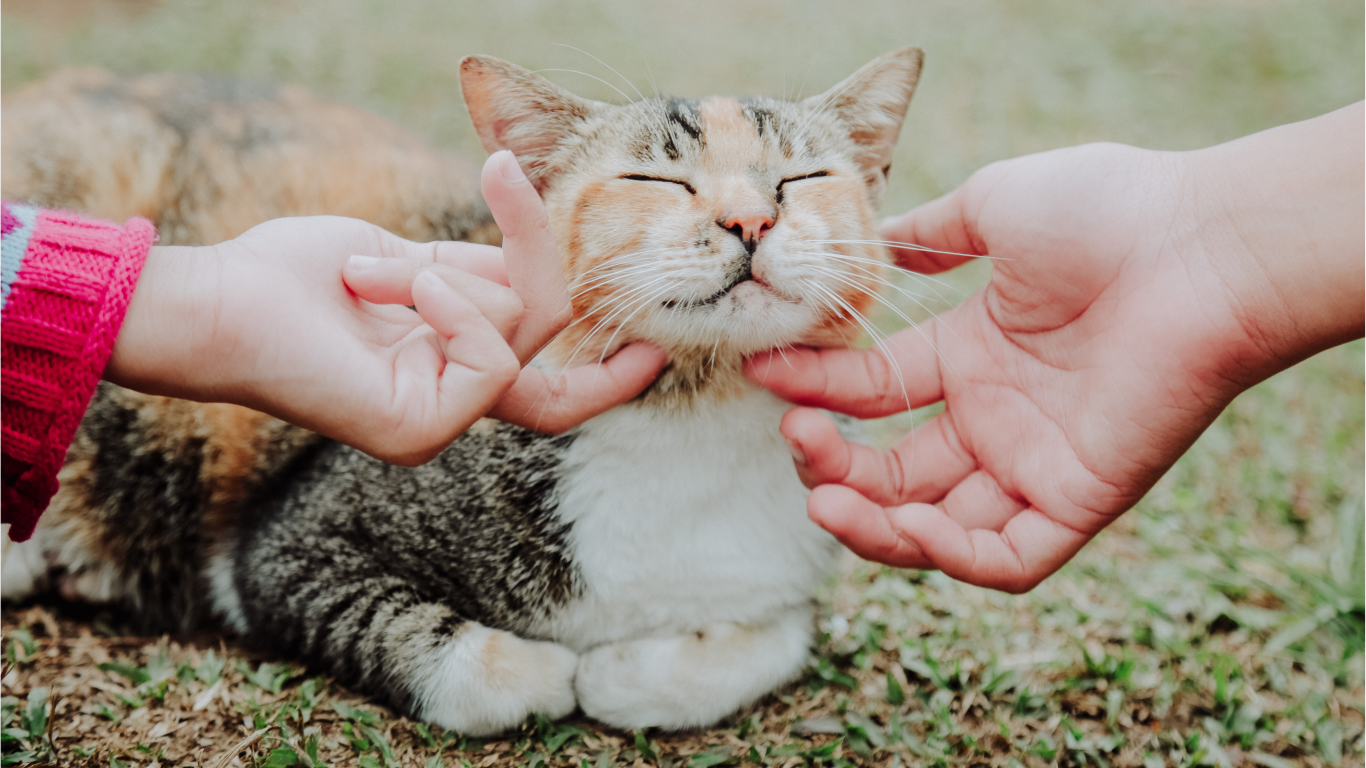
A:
<point x="207" y="157"/>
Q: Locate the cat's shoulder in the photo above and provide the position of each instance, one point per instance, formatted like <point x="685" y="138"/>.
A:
<point x="206" y="157"/>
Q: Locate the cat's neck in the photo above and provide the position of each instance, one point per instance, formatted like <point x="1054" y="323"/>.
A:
<point x="695" y="377"/>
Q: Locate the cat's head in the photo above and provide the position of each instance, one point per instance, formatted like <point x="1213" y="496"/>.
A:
<point x="715" y="227"/>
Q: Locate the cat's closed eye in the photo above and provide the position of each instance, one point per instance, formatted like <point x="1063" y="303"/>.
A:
<point x="778" y="196"/>
<point x="640" y="177"/>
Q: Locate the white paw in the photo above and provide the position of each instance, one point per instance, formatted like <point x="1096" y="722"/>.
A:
<point x="626" y="684"/>
<point x="681" y="681"/>
<point x="486" y="681"/>
<point x="23" y="568"/>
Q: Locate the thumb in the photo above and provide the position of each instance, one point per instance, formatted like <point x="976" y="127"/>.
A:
<point x="935" y="236"/>
<point x="553" y="403"/>
<point x="530" y="253"/>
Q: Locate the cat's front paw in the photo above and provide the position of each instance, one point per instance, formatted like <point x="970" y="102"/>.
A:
<point x="486" y="681"/>
<point x="23" y="568"/>
<point x="680" y="681"/>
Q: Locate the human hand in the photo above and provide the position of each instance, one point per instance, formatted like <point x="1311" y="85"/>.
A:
<point x="303" y="318"/>
<point x="1132" y="300"/>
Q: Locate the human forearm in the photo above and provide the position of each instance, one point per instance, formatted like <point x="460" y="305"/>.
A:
<point x="1279" y="216"/>
<point x="165" y="345"/>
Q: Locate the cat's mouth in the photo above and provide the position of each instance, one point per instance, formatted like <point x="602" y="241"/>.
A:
<point x="715" y="297"/>
<point x="745" y="274"/>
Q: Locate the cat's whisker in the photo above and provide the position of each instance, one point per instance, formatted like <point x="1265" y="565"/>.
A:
<point x="875" y="277"/>
<point x="879" y="298"/>
<point x="911" y="323"/>
<point x="919" y="276"/>
<point x="637" y="261"/>
<point x="651" y="72"/>
<point x="609" y="66"/>
<point x="835" y="275"/>
<point x="605" y="263"/>
<point x="585" y="74"/>
<point x="597" y="282"/>
<point x="913" y="297"/>
<point x="626" y="301"/>
<point x="916" y="247"/>
<point x="647" y="301"/>
<point x="873" y="334"/>
<point x="918" y="280"/>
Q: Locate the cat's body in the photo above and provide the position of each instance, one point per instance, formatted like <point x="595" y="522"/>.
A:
<point x="653" y="566"/>
<point x="645" y="543"/>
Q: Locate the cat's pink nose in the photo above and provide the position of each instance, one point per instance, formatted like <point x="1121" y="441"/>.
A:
<point x="749" y="227"/>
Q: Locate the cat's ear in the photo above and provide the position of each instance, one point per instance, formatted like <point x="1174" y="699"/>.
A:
<point x="871" y="104"/>
<point x="517" y="109"/>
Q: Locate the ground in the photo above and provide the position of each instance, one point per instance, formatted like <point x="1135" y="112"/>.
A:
<point x="1219" y="623"/>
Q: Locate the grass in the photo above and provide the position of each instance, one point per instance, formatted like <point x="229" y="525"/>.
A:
<point x="1218" y="623"/>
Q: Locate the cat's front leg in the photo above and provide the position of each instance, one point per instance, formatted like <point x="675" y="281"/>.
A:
<point x="485" y="681"/>
<point x="686" y="681"/>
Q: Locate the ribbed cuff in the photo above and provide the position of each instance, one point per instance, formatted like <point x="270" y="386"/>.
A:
<point x="60" y="320"/>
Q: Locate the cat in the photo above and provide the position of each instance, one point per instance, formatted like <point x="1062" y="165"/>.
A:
<point x="652" y="567"/>
<point x="207" y="157"/>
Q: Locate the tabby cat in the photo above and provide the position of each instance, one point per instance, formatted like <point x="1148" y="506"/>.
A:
<point x="654" y="566"/>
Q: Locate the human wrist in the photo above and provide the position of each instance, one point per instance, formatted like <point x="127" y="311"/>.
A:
<point x="1279" y="221"/>
<point x="165" y="346"/>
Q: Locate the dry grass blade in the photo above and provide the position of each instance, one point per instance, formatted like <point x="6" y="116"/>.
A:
<point x="226" y="758"/>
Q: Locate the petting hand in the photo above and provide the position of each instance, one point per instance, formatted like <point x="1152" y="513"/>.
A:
<point x="1134" y="295"/>
<point x="305" y="319"/>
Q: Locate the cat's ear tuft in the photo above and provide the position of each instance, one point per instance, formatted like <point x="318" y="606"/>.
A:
<point x="516" y="109"/>
<point x="871" y="103"/>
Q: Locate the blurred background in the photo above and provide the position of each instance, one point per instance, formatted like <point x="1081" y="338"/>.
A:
<point x="1002" y="77"/>
<point x="1226" y="610"/>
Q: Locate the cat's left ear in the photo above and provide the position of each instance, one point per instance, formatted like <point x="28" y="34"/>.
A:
<point x="871" y="103"/>
<point x="516" y="109"/>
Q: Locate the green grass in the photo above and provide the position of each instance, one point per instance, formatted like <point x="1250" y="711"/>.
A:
<point x="1219" y="623"/>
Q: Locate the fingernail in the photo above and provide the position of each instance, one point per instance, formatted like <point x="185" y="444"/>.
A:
<point x="428" y="277"/>
<point x="796" y="451"/>
<point x="511" y="170"/>
<point x="363" y="262"/>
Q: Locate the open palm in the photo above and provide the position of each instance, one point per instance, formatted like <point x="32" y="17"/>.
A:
<point x="1096" y="354"/>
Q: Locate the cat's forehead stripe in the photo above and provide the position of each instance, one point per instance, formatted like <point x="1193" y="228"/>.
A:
<point x="767" y="121"/>
<point x="685" y="114"/>
<point x="732" y="137"/>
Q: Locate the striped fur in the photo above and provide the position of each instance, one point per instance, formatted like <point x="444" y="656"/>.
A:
<point x="654" y="566"/>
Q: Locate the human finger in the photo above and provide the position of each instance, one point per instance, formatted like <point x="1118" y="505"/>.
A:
<point x="530" y="253"/>
<point x="858" y="382"/>
<point x="934" y="236"/>
<point x="500" y="305"/>
<point x="1028" y="549"/>
<point x="863" y="527"/>
<point x="923" y="467"/>
<point x="471" y="366"/>
<point x="390" y="280"/>
<point x="553" y="403"/>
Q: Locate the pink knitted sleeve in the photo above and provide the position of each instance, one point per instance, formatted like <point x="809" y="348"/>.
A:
<point x="65" y="298"/>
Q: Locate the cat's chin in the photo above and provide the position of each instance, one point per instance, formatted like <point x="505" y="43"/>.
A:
<point x="756" y="293"/>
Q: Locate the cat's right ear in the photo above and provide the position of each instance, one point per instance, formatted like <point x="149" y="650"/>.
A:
<point x="516" y="109"/>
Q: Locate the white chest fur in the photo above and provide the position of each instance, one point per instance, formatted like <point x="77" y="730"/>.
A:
<point x="685" y="518"/>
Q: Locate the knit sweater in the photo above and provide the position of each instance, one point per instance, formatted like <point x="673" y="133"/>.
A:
<point x="67" y="281"/>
